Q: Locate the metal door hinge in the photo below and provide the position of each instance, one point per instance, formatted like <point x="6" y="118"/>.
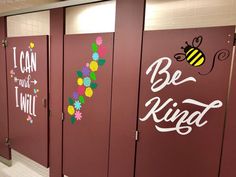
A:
<point x="7" y="142"/>
<point x="136" y="135"/>
<point x="62" y="116"/>
<point x="4" y="43"/>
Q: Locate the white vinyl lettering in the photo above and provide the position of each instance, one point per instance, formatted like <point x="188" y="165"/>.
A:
<point x="27" y="62"/>
<point x="14" y="57"/>
<point x="27" y="104"/>
<point x="16" y="93"/>
<point x="183" y="119"/>
<point x="163" y="72"/>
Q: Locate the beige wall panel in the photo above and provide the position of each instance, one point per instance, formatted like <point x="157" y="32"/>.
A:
<point x="28" y="24"/>
<point x="173" y="14"/>
<point x="91" y="18"/>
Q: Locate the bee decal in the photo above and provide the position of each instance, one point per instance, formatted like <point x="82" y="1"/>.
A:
<point x="192" y="54"/>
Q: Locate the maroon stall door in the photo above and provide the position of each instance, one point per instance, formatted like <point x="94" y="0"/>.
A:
<point x="4" y="148"/>
<point x="27" y="70"/>
<point x="87" y="97"/>
<point x="183" y="97"/>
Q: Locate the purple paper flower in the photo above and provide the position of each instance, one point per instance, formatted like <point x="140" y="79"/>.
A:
<point x="75" y="95"/>
<point x="85" y="71"/>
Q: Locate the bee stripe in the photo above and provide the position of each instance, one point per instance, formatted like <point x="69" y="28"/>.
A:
<point x="192" y="54"/>
<point x="189" y="51"/>
<point x="193" y="57"/>
<point x="196" y="58"/>
<point x="199" y="62"/>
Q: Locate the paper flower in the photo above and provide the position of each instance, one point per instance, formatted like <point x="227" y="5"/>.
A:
<point x="89" y="92"/>
<point x="87" y="81"/>
<point x="81" y="90"/>
<point x="80" y="81"/>
<point x="75" y="95"/>
<point x="99" y="40"/>
<point x="71" y="110"/>
<point x="94" y="47"/>
<point x="77" y="105"/>
<point x="93" y="66"/>
<point x="102" y="51"/>
<point x="78" y="115"/>
<point x="93" y="76"/>
<point x="85" y="71"/>
<point x="81" y="99"/>
<point x="95" y="56"/>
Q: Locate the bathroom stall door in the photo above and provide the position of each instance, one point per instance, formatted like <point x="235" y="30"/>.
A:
<point x="87" y="97"/>
<point x="183" y="98"/>
<point x="27" y="72"/>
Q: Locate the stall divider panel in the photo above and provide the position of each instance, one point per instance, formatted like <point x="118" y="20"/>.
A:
<point x="57" y="27"/>
<point x="4" y="131"/>
<point x="127" y="56"/>
<point x="27" y="74"/>
<point x="183" y="99"/>
<point x="88" y="60"/>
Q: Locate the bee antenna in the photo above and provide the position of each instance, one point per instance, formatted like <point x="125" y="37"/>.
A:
<point x="186" y="42"/>
<point x="182" y="47"/>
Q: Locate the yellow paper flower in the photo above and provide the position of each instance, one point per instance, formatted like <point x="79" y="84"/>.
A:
<point x="93" y="66"/>
<point x="31" y="45"/>
<point x="89" y="92"/>
<point x="71" y="110"/>
<point x="80" y="81"/>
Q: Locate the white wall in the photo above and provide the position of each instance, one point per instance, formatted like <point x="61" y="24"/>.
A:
<point x="91" y="18"/>
<point x="171" y="14"/>
<point x="30" y="24"/>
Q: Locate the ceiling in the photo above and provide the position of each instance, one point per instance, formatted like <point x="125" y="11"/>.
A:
<point x="10" y="5"/>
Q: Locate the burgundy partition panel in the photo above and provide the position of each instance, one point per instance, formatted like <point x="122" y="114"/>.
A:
<point x="4" y="150"/>
<point x="27" y="70"/>
<point x="56" y="90"/>
<point x="183" y="96"/>
<point x="228" y="167"/>
<point x="127" y="56"/>
<point x="87" y="97"/>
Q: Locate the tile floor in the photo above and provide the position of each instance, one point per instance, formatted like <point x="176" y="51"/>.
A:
<point x="23" y="167"/>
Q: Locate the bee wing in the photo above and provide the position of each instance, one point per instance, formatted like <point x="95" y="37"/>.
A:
<point x="197" y="41"/>
<point x="180" y="56"/>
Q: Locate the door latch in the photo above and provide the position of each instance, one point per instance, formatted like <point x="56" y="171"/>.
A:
<point x="137" y="135"/>
<point x="44" y="102"/>
<point x="62" y="116"/>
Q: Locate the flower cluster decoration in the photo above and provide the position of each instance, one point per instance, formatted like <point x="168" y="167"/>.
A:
<point x="86" y="81"/>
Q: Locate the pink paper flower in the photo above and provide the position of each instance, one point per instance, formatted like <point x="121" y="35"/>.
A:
<point x="78" y="115"/>
<point x="102" y="51"/>
<point x="99" y="40"/>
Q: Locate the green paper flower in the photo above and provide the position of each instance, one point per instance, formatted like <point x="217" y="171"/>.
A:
<point x="93" y="76"/>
